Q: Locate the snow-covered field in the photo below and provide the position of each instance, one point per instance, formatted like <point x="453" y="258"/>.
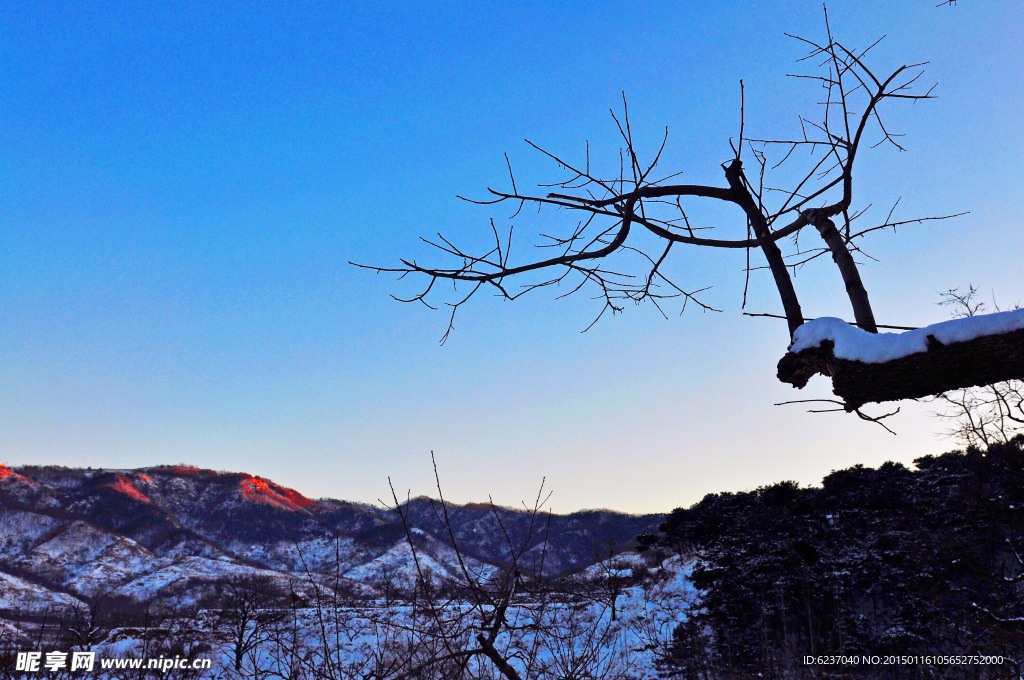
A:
<point x="162" y="562"/>
<point x="564" y="631"/>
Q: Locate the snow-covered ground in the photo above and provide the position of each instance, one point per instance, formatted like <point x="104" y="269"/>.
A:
<point x="564" y="631"/>
<point x="22" y="597"/>
<point x="161" y="552"/>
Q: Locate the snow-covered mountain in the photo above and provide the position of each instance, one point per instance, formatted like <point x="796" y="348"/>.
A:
<point x="171" y="534"/>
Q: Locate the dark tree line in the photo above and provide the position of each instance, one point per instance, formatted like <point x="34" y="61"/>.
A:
<point x="887" y="561"/>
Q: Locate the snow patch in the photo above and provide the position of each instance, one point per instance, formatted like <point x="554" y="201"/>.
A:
<point x="88" y="560"/>
<point x="19" y="595"/>
<point x="854" y="344"/>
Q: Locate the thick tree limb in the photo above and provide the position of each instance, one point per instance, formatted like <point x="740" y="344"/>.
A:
<point x="847" y="269"/>
<point x="982" y="361"/>
<point x="757" y="221"/>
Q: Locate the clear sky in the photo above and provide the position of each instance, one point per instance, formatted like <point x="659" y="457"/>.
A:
<point x="183" y="184"/>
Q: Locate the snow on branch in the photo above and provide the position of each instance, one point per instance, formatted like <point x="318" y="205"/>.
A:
<point x="855" y="344"/>
<point x="877" y="367"/>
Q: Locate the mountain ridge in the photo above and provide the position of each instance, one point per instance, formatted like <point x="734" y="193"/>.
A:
<point x="173" y="533"/>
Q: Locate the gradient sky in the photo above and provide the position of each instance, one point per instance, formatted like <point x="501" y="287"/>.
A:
<point x="183" y="184"/>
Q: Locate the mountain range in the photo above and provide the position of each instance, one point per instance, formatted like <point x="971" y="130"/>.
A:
<point x="168" y="535"/>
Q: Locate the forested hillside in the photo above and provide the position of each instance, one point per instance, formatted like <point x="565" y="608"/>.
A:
<point x="892" y="561"/>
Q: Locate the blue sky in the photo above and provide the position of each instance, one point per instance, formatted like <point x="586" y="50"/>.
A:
<point x="182" y="186"/>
